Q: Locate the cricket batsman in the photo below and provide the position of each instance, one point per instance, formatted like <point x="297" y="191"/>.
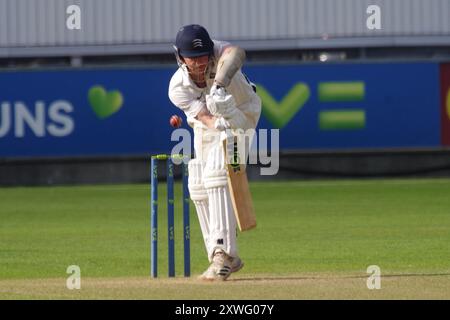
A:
<point x="215" y="96"/>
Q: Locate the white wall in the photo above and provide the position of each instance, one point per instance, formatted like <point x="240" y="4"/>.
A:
<point x="29" y="27"/>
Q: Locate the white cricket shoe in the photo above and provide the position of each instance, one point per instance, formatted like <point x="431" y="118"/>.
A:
<point x="209" y="274"/>
<point x="222" y="266"/>
<point x="236" y="264"/>
<point x="222" y="262"/>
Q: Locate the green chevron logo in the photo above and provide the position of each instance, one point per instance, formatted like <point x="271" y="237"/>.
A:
<point x="280" y="113"/>
<point x="104" y="103"/>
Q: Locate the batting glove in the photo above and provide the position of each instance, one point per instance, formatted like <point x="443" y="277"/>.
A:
<point x="220" y="106"/>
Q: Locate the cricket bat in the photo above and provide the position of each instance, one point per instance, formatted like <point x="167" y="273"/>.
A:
<point x="238" y="186"/>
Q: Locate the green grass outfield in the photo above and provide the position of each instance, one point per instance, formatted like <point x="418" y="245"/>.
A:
<point x="315" y="239"/>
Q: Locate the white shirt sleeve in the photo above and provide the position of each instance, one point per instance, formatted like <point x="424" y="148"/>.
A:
<point x="184" y="97"/>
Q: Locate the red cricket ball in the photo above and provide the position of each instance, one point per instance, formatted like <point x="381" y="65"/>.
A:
<point x="175" y="121"/>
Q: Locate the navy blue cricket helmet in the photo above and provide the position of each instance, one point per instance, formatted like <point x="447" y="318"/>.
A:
<point x="193" y="41"/>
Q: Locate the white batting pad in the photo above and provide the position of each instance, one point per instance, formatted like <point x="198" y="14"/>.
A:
<point x="222" y="221"/>
<point x="199" y="196"/>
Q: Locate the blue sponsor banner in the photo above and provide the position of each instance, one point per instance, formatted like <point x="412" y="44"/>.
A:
<point x="341" y="106"/>
<point x="127" y="111"/>
<point x="89" y="112"/>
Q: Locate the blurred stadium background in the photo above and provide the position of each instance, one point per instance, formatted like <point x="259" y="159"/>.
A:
<point x="387" y="114"/>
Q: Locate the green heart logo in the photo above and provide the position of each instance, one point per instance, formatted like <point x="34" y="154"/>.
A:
<point x="104" y="103"/>
<point x="448" y="103"/>
<point x="279" y="114"/>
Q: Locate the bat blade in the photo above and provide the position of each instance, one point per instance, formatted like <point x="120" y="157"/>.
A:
<point x="239" y="188"/>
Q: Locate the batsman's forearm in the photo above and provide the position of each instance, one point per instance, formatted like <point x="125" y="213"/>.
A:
<point x="207" y="119"/>
<point x="229" y="63"/>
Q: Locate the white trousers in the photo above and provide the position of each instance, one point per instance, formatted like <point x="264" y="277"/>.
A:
<point x="208" y="183"/>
